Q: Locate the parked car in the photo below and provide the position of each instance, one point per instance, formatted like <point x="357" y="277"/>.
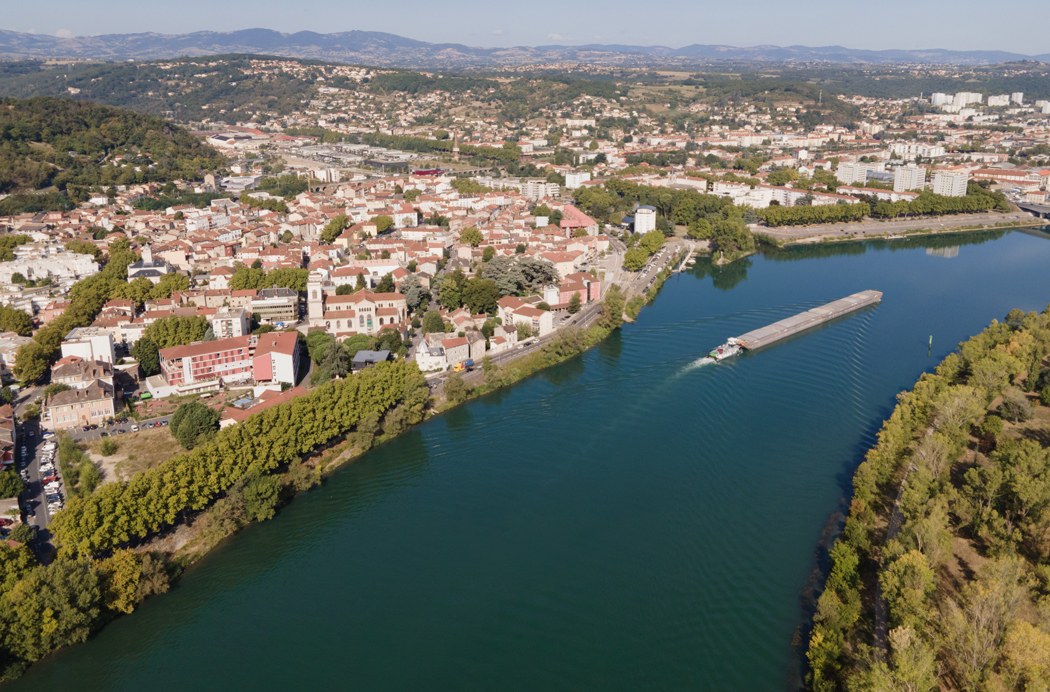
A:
<point x="134" y="427"/>
<point x="4" y="521"/>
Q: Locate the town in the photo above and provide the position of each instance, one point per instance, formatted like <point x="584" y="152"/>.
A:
<point x="441" y="224"/>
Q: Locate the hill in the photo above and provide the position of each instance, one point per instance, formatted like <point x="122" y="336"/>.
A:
<point x="377" y="48"/>
<point x="73" y="146"/>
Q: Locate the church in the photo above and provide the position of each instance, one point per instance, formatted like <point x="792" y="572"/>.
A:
<point x="362" y="312"/>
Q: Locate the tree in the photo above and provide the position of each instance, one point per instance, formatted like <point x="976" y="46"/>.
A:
<point x="344" y="290"/>
<point x="386" y="284"/>
<point x="700" y="229"/>
<point x="635" y="258"/>
<point x="361" y="283"/>
<point x="488" y="253"/>
<point x="472" y="237"/>
<point x="412" y="289"/>
<point x="432" y="322"/>
<point x="109" y="447"/>
<point x="612" y="308"/>
<point x="575" y="303"/>
<point x="146" y="353"/>
<point x="193" y="424"/>
<point x="120" y="574"/>
<point x="52" y="607"/>
<point x="481" y="296"/>
<point x="731" y="235"/>
<point x="10" y="484"/>
<point x="383" y="223"/>
<point x="974" y="629"/>
<point x="17" y="321"/>
<point x="520" y="249"/>
<point x="177" y="330"/>
<point x="456" y="390"/>
<point x="334" y="228"/>
<point x="358" y="342"/>
<point x="335" y="362"/>
<point x="287" y="237"/>
<point x="17" y="278"/>
<point x="317" y="343"/>
<point x="23" y="533"/>
<point x="450" y="295"/>
<point x="652" y="241"/>
<point x="257" y="264"/>
<point x="32" y="362"/>
<point x="906" y="584"/>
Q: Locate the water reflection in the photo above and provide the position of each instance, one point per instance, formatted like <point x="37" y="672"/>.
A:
<point x="946" y="252"/>
<point x="724" y="278"/>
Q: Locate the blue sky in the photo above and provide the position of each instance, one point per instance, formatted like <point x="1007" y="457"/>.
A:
<point x="908" y="24"/>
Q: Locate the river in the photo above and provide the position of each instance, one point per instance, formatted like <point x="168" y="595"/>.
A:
<point x="626" y="520"/>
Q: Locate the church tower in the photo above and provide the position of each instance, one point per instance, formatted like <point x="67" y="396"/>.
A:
<point x="315" y="299"/>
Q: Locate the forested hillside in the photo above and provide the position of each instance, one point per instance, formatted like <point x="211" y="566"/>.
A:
<point x="74" y="146"/>
<point x="180" y="89"/>
<point x="941" y="579"/>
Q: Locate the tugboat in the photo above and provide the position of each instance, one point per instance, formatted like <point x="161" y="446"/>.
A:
<point x="729" y="348"/>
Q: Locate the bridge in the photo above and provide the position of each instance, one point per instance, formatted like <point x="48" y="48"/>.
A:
<point x="1040" y="210"/>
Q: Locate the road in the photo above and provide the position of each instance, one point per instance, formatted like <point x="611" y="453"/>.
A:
<point x="34" y="503"/>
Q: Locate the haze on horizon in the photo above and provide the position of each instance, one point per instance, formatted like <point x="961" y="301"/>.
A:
<point x="893" y="24"/>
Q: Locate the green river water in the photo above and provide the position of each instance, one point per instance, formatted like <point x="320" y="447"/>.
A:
<point x="624" y="521"/>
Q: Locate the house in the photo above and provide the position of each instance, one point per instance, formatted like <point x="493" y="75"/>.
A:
<point x="430" y="355"/>
<point x="148" y="268"/>
<point x="367" y="359"/>
<point x="516" y="311"/>
<point x="78" y="373"/>
<point x="587" y="286"/>
<point x="90" y="405"/>
<point x="89" y="343"/>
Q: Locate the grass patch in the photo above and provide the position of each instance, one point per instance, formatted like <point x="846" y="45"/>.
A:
<point x="141" y="451"/>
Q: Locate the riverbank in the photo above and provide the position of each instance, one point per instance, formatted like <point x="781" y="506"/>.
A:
<point x="863" y="230"/>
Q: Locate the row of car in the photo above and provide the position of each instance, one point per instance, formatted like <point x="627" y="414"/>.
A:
<point x="49" y="479"/>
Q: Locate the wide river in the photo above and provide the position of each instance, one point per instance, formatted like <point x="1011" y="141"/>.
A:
<point x="625" y="521"/>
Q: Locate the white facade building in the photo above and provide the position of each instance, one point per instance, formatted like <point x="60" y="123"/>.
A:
<point x="950" y="184"/>
<point x="89" y="343"/>
<point x="229" y="322"/>
<point x="644" y="219"/>
<point x="573" y="179"/>
<point x="909" y="178"/>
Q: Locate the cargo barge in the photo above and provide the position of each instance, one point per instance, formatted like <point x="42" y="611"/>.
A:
<point x="795" y="324"/>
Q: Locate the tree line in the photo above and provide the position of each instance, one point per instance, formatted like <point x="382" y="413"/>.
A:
<point x="965" y="481"/>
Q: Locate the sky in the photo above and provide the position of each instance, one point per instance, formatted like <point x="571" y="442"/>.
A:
<point x="902" y="24"/>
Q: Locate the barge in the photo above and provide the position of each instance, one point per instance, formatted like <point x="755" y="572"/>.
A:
<point x="795" y="324"/>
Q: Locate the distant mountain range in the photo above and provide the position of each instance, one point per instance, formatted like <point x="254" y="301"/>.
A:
<point x="377" y="48"/>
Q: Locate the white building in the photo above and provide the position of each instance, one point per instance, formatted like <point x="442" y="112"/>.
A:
<point x="644" y="219"/>
<point x="89" y="343"/>
<point x="537" y="189"/>
<point x="229" y="322"/>
<point x="573" y="179"/>
<point x="850" y="173"/>
<point x="939" y="99"/>
<point x="909" y="178"/>
<point x="950" y="184"/>
<point x="1017" y="97"/>
<point x="1000" y="100"/>
<point x="35" y="264"/>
